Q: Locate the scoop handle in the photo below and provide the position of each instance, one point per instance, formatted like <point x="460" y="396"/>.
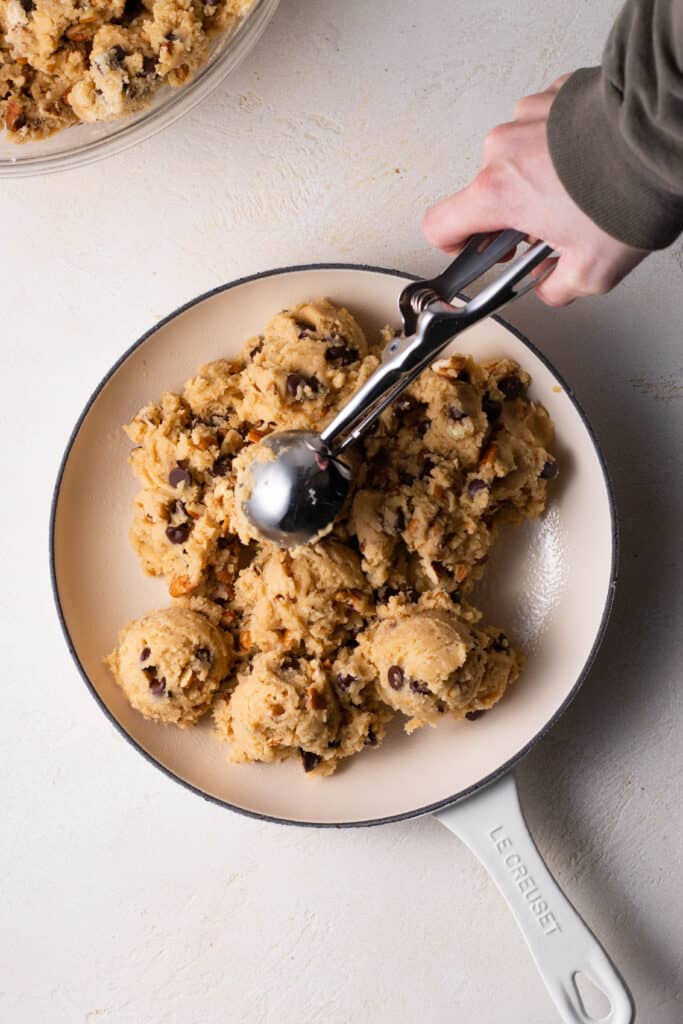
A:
<point x="492" y="824"/>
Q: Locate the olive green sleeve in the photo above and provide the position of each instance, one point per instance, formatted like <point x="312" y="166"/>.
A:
<point x="616" y="132"/>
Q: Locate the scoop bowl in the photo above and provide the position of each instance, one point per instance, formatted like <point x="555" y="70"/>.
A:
<point x="296" y="495"/>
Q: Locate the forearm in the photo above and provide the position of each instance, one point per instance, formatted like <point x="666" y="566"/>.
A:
<point x="616" y="132"/>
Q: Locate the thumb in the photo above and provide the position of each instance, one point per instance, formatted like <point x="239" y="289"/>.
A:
<point x="450" y="223"/>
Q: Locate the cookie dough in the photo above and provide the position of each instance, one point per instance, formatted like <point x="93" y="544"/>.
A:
<point x="64" y="61"/>
<point x="285" y="706"/>
<point x="460" y="452"/>
<point x="314" y="598"/>
<point x="170" y="663"/>
<point x="430" y="660"/>
<point x="307" y="363"/>
<point x="375" y="619"/>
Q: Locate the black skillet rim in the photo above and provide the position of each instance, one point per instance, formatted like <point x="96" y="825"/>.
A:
<point x="440" y="805"/>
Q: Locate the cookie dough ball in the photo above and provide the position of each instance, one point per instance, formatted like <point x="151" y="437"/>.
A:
<point x="170" y="663"/>
<point x="311" y="598"/>
<point x="282" y="707"/>
<point x="430" y="661"/>
<point x="179" y="522"/>
<point x="307" y="363"/>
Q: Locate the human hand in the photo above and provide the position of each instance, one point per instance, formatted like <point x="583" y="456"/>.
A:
<point x="518" y="187"/>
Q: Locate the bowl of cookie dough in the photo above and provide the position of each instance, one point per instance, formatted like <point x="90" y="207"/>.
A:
<point x="85" y="79"/>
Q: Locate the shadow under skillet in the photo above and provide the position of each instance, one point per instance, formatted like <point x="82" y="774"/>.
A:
<point x="622" y="704"/>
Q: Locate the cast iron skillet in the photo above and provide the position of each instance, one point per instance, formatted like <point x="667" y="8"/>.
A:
<point x="550" y="584"/>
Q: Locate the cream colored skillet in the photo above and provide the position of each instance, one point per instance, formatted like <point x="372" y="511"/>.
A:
<point x="550" y="585"/>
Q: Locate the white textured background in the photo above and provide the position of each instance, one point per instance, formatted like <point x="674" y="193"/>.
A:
<point x="125" y="898"/>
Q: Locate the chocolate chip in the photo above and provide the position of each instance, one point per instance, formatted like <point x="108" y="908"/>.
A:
<point x="294" y="382"/>
<point x="345" y="681"/>
<point x="417" y="687"/>
<point x="406" y="478"/>
<point x="501" y="643"/>
<point x="179" y="476"/>
<point x="28" y="5"/>
<point x="464" y="377"/>
<point x="309" y="760"/>
<point x="476" y="485"/>
<point x="149" y="65"/>
<point x="178" y="534"/>
<point x="297" y="381"/>
<point x="511" y="386"/>
<point x="472" y="716"/>
<point x="145" y="653"/>
<point x="317" y="699"/>
<point x="157" y="686"/>
<point x="395" y="677"/>
<point x="549" y="471"/>
<point x="203" y="654"/>
<point x="455" y="414"/>
<point x="491" y="407"/>
<point x="116" y="55"/>
<point x="371" y="738"/>
<point x="222" y="465"/>
<point x="403" y="405"/>
<point x="426" y="467"/>
<point x="341" y="354"/>
<point x="422" y="427"/>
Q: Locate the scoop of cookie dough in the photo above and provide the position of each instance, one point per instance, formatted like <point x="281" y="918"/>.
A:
<point x="170" y="663"/>
<point x="281" y="707"/>
<point x="307" y="363"/>
<point x="286" y="706"/>
<point x="429" y="660"/>
<point x="180" y="460"/>
<point x="310" y="598"/>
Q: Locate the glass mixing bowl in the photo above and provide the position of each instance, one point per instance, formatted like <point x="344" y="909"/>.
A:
<point x="85" y="143"/>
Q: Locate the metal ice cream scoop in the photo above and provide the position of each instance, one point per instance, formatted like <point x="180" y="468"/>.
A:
<point x="294" y="496"/>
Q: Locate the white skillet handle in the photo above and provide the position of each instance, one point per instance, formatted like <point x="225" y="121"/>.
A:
<point x="491" y="823"/>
